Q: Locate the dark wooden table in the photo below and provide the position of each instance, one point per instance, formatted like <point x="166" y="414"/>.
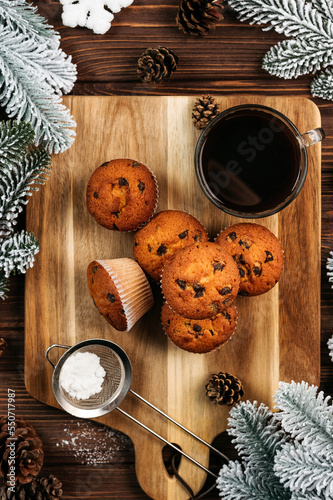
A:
<point x="91" y="461"/>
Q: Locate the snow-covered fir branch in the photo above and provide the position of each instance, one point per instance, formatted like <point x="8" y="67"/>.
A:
<point x="34" y="72"/>
<point x="310" y="24"/>
<point x="329" y="264"/>
<point x="286" y="455"/>
<point x="306" y="415"/>
<point x="15" y="138"/>
<point x="322" y="84"/>
<point x="17" y="183"/>
<point x="330" y="346"/>
<point x="256" y="434"/>
<point x="4" y="286"/>
<point x="303" y="469"/>
<point x="23" y="15"/>
<point x="238" y="483"/>
<point x="17" y="252"/>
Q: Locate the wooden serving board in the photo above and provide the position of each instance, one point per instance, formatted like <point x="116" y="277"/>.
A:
<point x="278" y="334"/>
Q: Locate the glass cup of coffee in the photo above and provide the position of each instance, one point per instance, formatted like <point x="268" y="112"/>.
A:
<point x="251" y="160"/>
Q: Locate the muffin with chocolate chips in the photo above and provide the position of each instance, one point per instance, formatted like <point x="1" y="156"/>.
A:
<point x="257" y="253"/>
<point x="200" y="280"/>
<point x="120" y="291"/>
<point x="200" y="336"/>
<point x="162" y="236"/>
<point x="122" y="194"/>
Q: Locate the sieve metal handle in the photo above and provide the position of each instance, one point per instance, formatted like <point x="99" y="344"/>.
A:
<point x="51" y="347"/>
<point x="167" y="442"/>
<point x="225" y="458"/>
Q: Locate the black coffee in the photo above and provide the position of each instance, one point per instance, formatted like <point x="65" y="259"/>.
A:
<point x="250" y="161"/>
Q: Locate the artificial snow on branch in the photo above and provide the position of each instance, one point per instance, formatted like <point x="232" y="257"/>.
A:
<point x="310" y="23"/>
<point x="287" y="455"/>
<point x="34" y="72"/>
<point x="23" y="168"/>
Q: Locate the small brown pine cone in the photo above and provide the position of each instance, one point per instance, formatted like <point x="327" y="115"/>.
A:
<point x="156" y="64"/>
<point x="198" y="17"/>
<point x="224" y="389"/>
<point x="40" y="488"/>
<point x="204" y="110"/>
<point x="23" y="446"/>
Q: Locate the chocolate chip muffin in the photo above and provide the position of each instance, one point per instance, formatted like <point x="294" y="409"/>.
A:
<point x="120" y="291"/>
<point x="257" y="253"/>
<point x="162" y="236"/>
<point x="122" y="194"/>
<point x="200" y="336"/>
<point x="200" y="280"/>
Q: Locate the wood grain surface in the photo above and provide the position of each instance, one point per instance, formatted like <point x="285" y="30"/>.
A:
<point x="269" y="344"/>
<point x="227" y="61"/>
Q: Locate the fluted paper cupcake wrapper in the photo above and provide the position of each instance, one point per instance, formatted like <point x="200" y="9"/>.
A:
<point x="132" y="285"/>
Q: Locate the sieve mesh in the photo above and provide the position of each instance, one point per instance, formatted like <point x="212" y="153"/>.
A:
<point x="113" y="381"/>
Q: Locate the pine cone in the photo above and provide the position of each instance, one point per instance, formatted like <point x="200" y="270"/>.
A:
<point x="198" y="17"/>
<point x="224" y="389"/>
<point x="156" y="65"/>
<point x="41" y="488"/>
<point x="3" y="345"/>
<point x="204" y="111"/>
<point x="24" y="446"/>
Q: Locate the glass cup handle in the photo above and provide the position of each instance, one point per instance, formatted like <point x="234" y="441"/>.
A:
<point x="313" y="136"/>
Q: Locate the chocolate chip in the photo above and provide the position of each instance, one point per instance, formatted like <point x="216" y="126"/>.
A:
<point x="269" y="256"/>
<point x="149" y="248"/>
<point x="244" y="293"/>
<point x="123" y="182"/>
<point x="227" y="301"/>
<point x="225" y="290"/>
<point x="161" y="250"/>
<point x="199" y="290"/>
<point x="232" y="236"/>
<point x="244" y="244"/>
<point x="238" y="257"/>
<point x="214" y="307"/>
<point x="183" y="234"/>
<point x="141" y="187"/>
<point x="198" y="237"/>
<point x="181" y="284"/>
<point x="115" y="227"/>
<point x="211" y="332"/>
<point x="169" y="322"/>
<point x="96" y="195"/>
<point x="135" y="164"/>
<point x="197" y="328"/>
<point x="218" y="266"/>
<point x="241" y="272"/>
<point x="111" y="298"/>
<point x="105" y="163"/>
<point x="226" y="315"/>
<point x="94" y="269"/>
<point x="257" y="270"/>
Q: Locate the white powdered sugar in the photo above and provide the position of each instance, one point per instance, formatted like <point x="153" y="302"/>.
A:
<point x="82" y="375"/>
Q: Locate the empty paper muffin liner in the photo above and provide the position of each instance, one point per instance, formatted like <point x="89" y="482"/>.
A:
<point x="132" y="285"/>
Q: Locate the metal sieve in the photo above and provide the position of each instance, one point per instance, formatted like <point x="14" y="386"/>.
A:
<point x="115" y="386"/>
